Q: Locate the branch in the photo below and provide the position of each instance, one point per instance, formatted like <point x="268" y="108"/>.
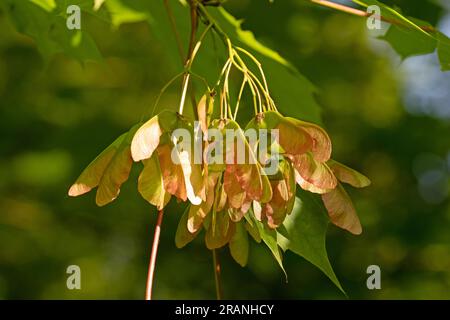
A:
<point x="341" y="7"/>
<point x="361" y="13"/>
<point x="174" y="29"/>
<point x="194" y="25"/>
<point x="151" y="267"/>
<point x="189" y="58"/>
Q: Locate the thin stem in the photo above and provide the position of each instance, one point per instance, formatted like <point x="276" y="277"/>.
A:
<point x="216" y="51"/>
<point x="254" y="89"/>
<point x="161" y="92"/>
<point x="227" y="92"/>
<point x="244" y="81"/>
<point x="253" y="79"/>
<point x="231" y="52"/>
<point x="217" y="275"/>
<point x="191" y="52"/>
<point x="261" y="71"/>
<point x="180" y="51"/>
<point x="258" y="64"/>
<point x="202" y="79"/>
<point x="224" y="69"/>
<point x="258" y="95"/>
<point x="191" y="57"/>
<point x="222" y="114"/>
<point x="269" y="101"/>
<point x="254" y="97"/>
<point x="183" y="95"/>
<point x="152" y="265"/>
<point x="361" y="13"/>
<point x="188" y="64"/>
<point x="174" y="29"/>
<point x="251" y="83"/>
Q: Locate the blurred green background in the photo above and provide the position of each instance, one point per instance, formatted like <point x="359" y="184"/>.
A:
<point x="387" y="118"/>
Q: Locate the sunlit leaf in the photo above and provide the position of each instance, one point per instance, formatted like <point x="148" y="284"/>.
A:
<point x="269" y="237"/>
<point x="389" y="13"/>
<point x="409" y="42"/>
<point x="304" y="232"/>
<point x="47" y="5"/>
<point x="98" y="4"/>
<point x="444" y="51"/>
<point x="124" y="12"/>
<point x="41" y="21"/>
<point x="410" y="36"/>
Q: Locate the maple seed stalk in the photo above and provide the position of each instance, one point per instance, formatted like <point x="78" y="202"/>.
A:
<point x="152" y="264"/>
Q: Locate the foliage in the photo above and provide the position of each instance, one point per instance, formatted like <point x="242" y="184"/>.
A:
<point x="286" y="84"/>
